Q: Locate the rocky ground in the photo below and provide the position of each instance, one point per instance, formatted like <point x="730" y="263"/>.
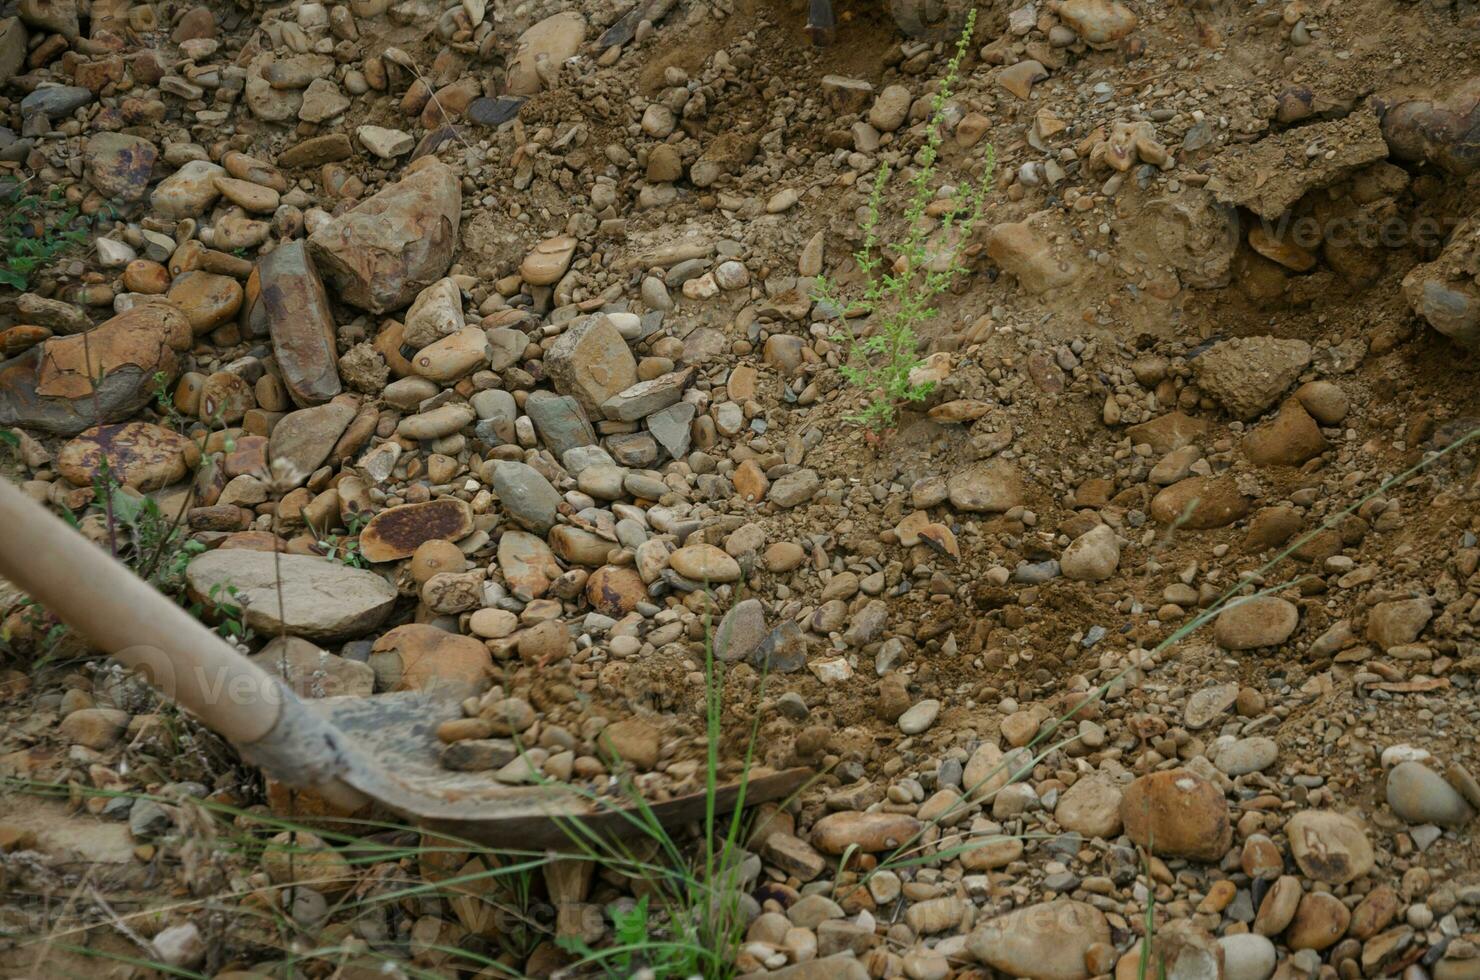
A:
<point x="497" y="322"/>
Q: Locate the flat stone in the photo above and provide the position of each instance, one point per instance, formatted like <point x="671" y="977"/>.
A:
<point x="1262" y="621"/>
<point x="1091" y="807"/>
<point x="321" y="600"/>
<point x="647" y="398"/>
<point x="1329" y="847"/>
<point x="397" y="532"/>
<point x="302" y="440"/>
<point x="1199" y="503"/>
<point x="49" y="388"/>
<point x="52" y="101"/>
<point x="1047" y="941"/>
<point x="705" y="563"/>
<point x="138" y="454"/>
<point x="992" y="486"/>
<point x="1208" y="703"/>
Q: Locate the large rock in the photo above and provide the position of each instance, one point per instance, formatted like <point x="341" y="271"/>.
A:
<point x="1091" y="807"/>
<point x="1248" y="374"/>
<point x="189" y="191"/>
<point x="1093" y="556"/>
<point x="1329" y="847"/>
<point x="118" y="165"/>
<point x="1419" y="795"/>
<point x="50" y="387"/>
<point x="317" y="599"/>
<point x="1047" y="941"/>
<point x="1023" y="250"/>
<point x="1262" y="621"/>
<point x="1177" y="813"/>
<point x="591" y="362"/>
<point x="302" y="440"/>
<point x="552" y="40"/>
<point x="300" y="323"/>
<point x="139" y="454"/>
<point x="1199" y="503"/>
<point x="395" y="243"/>
<point x="993" y="486"/>
<point x="396" y="532"/>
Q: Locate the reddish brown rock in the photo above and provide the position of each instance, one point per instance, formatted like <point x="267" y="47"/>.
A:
<point x="138" y="454"/>
<point x="615" y="590"/>
<point x="396" y="243"/>
<point x="868" y="832"/>
<point x="396" y="533"/>
<point x="418" y="657"/>
<point x="50" y="386"/>
<point x="1199" y="502"/>
<point x="300" y="323"/>
<point x="1177" y="813"/>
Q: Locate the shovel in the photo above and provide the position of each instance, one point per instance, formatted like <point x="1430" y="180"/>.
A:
<point x="350" y="750"/>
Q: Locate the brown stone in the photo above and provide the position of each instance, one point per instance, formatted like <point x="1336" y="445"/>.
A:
<point x="1199" y="502"/>
<point x="1177" y="813"/>
<point x="397" y="532"/>
<point x="119" y="166"/>
<point x="867" y="832"/>
<point x="50" y="386"/>
<point x="1320" y="921"/>
<point x="419" y="657"/>
<point x="300" y="323"/>
<point x="138" y="454"/>
<point x="396" y="243"/>
<point x="615" y="590"/>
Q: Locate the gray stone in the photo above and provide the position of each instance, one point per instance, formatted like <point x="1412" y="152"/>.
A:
<point x="55" y="100"/>
<point x="319" y="599"/>
<point x="741" y="630"/>
<point x="526" y="495"/>
<point x="1247" y="755"/>
<point x="647" y="397"/>
<point x="1419" y="795"/>
<point x="794" y="488"/>
<point x="560" y="422"/>
<point x="671" y="428"/>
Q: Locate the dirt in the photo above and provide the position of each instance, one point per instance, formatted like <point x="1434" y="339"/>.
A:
<point x="1158" y="266"/>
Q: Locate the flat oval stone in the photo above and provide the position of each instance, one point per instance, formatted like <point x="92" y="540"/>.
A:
<point x="704" y="563"/>
<point x="396" y="533"/>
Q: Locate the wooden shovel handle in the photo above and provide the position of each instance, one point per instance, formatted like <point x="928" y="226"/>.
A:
<point x="122" y="614"/>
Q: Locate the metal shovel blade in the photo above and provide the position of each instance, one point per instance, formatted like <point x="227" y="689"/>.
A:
<point x="398" y="732"/>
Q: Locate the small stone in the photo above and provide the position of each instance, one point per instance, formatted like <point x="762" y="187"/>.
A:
<point x="388" y="144"/>
<point x="919" y="717"/>
<point x="1091" y="807"/>
<point x="1093" y="556"/>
